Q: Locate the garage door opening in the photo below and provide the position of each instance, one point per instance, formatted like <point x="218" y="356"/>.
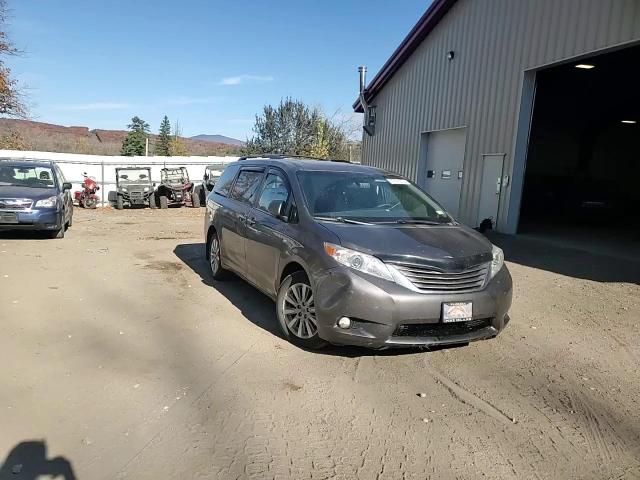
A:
<point x="582" y="174"/>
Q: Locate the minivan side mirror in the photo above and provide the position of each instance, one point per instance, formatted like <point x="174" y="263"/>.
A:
<point x="276" y="208"/>
<point x="66" y="186"/>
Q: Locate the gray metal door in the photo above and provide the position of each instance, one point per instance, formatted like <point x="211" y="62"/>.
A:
<point x="444" y="154"/>
<point x="491" y="187"/>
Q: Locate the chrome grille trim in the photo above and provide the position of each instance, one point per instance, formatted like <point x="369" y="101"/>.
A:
<point x="15" y="204"/>
<point x="428" y="280"/>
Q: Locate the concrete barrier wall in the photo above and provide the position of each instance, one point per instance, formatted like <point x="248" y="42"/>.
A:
<point x="103" y="167"/>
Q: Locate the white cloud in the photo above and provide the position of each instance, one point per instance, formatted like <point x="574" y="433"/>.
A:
<point x="96" y="106"/>
<point x="246" y="78"/>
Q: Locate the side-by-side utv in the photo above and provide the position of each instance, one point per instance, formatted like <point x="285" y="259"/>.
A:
<point x="133" y="188"/>
<point x="211" y="175"/>
<point x="175" y="188"/>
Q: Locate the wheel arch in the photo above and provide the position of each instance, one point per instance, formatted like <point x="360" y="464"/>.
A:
<point x="291" y="267"/>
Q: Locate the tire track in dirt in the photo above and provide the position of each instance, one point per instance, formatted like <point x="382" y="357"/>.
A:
<point x="471" y="399"/>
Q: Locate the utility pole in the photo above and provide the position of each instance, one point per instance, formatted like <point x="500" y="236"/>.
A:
<point x="146" y="147"/>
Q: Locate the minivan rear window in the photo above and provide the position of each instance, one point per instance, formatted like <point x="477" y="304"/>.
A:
<point x="223" y="185"/>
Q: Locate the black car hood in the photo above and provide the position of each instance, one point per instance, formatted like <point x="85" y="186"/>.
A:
<point x="31" y="193"/>
<point x="447" y="247"/>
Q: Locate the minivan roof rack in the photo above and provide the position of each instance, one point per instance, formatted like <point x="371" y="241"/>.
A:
<point x="281" y="156"/>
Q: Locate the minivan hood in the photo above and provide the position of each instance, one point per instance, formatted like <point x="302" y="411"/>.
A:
<point x="27" y="192"/>
<point x="447" y="247"/>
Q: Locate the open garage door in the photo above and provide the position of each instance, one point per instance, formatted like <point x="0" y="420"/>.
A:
<point x="582" y="172"/>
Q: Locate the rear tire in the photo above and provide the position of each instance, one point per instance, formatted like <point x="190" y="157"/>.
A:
<point x="214" y="255"/>
<point x="119" y="203"/>
<point x="164" y="202"/>
<point x="195" y="197"/>
<point x="295" y="308"/>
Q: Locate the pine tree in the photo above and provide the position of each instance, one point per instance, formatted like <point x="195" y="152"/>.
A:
<point x="163" y="145"/>
<point x="135" y="141"/>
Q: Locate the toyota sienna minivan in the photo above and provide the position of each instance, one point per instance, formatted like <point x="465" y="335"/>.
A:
<point x="354" y="255"/>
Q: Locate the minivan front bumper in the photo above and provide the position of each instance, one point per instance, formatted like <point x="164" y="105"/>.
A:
<point x="384" y="314"/>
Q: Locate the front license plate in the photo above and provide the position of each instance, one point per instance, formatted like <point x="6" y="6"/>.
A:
<point x="457" y="312"/>
<point x="8" y="217"/>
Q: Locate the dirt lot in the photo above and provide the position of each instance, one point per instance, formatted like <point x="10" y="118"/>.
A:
<point x="122" y="357"/>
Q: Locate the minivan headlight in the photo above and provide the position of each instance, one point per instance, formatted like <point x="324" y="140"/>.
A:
<point x="498" y="260"/>
<point x="358" y="261"/>
<point x="47" y="202"/>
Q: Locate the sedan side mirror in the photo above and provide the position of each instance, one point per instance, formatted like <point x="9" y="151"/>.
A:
<point x="66" y="186"/>
<point x="276" y="208"/>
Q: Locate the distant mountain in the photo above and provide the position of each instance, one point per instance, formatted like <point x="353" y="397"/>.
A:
<point x="46" y="137"/>
<point x="219" y="139"/>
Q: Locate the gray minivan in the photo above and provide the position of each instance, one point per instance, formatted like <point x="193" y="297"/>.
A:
<point x="353" y="255"/>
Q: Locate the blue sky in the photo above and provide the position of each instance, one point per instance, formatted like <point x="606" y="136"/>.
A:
<point x="210" y="64"/>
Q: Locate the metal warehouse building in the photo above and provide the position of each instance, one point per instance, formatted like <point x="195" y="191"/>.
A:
<point x="519" y="111"/>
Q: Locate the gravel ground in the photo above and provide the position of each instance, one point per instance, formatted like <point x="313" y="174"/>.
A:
<point x="123" y="359"/>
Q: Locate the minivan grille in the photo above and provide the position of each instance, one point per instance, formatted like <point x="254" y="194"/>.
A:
<point x="441" y="329"/>
<point x="15" y="204"/>
<point x="428" y="280"/>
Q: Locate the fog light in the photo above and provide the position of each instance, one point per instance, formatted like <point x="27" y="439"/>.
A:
<point x="344" y="322"/>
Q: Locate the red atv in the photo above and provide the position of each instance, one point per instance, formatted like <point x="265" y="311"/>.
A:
<point x="87" y="197"/>
<point x="175" y="188"/>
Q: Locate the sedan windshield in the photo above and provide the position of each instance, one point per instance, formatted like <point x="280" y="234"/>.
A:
<point x="368" y="197"/>
<point x="26" y="176"/>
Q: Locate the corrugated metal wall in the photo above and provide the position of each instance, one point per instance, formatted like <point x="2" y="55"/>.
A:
<point x="494" y="41"/>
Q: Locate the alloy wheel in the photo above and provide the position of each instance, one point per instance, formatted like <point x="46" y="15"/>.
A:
<point x="214" y="255"/>
<point x="299" y="311"/>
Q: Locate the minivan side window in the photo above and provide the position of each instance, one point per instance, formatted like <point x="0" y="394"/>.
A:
<point x="275" y="189"/>
<point x="223" y="185"/>
<point x="246" y="186"/>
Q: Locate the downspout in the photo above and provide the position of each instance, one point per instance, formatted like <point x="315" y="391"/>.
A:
<point x="369" y="129"/>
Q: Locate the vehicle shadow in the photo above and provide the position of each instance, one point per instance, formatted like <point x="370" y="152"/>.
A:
<point x="24" y="235"/>
<point x="567" y="261"/>
<point x="28" y="461"/>
<point x="260" y="309"/>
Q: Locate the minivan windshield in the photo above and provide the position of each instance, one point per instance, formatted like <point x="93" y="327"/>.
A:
<point x="26" y="176"/>
<point x="368" y="197"/>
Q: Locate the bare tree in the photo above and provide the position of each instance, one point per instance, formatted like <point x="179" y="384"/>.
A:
<point x="11" y="98"/>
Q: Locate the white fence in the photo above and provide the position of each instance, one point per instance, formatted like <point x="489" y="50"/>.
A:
<point x="103" y="167"/>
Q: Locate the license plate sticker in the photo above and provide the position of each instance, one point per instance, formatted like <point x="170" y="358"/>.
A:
<point x="457" y="312"/>
<point x="8" y="217"/>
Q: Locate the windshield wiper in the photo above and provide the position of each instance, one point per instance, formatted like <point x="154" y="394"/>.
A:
<point x="341" y="220"/>
<point x="403" y="221"/>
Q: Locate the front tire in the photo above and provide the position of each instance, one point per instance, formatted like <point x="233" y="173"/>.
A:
<point x="296" y="311"/>
<point x="164" y="202"/>
<point x="119" y="203"/>
<point x="152" y="201"/>
<point x="58" y="233"/>
<point x="214" y="255"/>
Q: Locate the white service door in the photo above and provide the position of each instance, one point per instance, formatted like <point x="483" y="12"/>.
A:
<point x="491" y="188"/>
<point x="444" y="167"/>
